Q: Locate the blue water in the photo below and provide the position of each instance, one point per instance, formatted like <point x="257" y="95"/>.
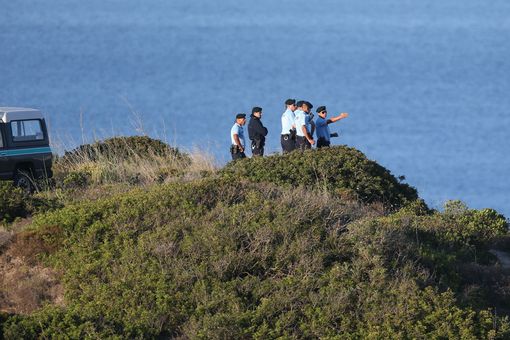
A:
<point x="426" y="83"/>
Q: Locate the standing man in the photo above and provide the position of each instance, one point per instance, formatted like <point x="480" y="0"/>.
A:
<point x="304" y="139"/>
<point x="310" y="123"/>
<point x="257" y="132"/>
<point x="288" y="134"/>
<point x="322" y="124"/>
<point x="237" y="137"/>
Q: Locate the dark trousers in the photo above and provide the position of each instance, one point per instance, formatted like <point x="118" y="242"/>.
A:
<point x="257" y="149"/>
<point x="236" y="153"/>
<point x="302" y="143"/>
<point x="288" y="143"/>
<point x="322" y="142"/>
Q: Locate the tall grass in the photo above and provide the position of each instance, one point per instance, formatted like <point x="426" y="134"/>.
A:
<point x="130" y="160"/>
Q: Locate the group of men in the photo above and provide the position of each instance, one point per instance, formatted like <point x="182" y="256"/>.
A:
<point x="298" y="129"/>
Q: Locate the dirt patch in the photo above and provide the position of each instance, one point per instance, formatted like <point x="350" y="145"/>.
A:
<point x="26" y="284"/>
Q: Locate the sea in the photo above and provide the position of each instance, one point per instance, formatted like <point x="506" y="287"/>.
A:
<point x="426" y="83"/>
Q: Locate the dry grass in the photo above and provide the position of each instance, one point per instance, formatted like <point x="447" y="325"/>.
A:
<point x="202" y="163"/>
<point x="140" y="167"/>
<point x="25" y="288"/>
<point x="5" y="237"/>
<point x="25" y="284"/>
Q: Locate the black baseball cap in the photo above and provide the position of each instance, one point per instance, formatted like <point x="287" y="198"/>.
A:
<point x="240" y="115"/>
<point x="321" y="108"/>
<point x="256" y="109"/>
<point x="290" y="102"/>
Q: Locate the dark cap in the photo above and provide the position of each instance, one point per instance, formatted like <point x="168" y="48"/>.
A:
<point x="240" y="115"/>
<point x="290" y="102"/>
<point x="320" y="109"/>
<point x="256" y="109"/>
<point x="309" y="105"/>
<point x="300" y="103"/>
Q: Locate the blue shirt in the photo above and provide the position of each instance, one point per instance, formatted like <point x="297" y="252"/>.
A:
<point x="309" y="121"/>
<point x="302" y="118"/>
<point x="287" y="121"/>
<point x="239" y="131"/>
<point x="322" y="128"/>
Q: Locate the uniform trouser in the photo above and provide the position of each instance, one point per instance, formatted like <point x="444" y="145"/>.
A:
<point x="236" y="153"/>
<point x="257" y="149"/>
<point x="288" y="144"/>
<point x="322" y="142"/>
<point x="302" y="143"/>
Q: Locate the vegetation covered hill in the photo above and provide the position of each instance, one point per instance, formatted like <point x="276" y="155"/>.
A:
<point x="342" y="171"/>
<point x="317" y="244"/>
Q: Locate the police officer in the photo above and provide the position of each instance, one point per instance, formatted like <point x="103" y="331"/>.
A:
<point x="288" y="135"/>
<point x="304" y="139"/>
<point x="322" y="125"/>
<point x="310" y="121"/>
<point x="257" y="132"/>
<point x="237" y="137"/>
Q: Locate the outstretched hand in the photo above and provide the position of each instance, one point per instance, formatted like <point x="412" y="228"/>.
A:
<point x="343" y="115"/>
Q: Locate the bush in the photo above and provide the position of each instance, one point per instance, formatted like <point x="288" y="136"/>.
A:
<point x="455" y="247"/>
<point x="12" y="202"/>
<point x="122" y="148"/>
<point x="218" y="258"/>
<point x="56" y="322"/>
<point x="3" y="319"/>
<point x="340" y="169"/>
<point x="470" y="226"/>
<point x="131" y="160"/>
<point x="76" y="179"/>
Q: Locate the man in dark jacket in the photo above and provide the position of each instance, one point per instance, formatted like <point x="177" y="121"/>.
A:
<point x="257" y="132"/>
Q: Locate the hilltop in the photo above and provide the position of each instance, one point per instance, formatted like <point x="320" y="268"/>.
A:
<point x="134" y="238"/>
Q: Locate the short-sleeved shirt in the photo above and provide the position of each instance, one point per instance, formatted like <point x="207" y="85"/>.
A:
<point x="309" y="121"/>
<point x="287" y="121"/>
<point x="322" y="128"/>
<point x="302" y="118"/>
<point x="237" y="130"/>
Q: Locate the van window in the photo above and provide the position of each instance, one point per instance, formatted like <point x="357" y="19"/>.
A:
<point x="26" y="130"/>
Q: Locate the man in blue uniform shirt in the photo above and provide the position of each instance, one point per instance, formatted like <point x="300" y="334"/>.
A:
<point x="310" y="124"/>
<point x="237" y="137"/>
<point x="257" y="132"/>
<point x="287" y="137"/>
<point x="304" y="139"/>
<point x="322" y="126"/>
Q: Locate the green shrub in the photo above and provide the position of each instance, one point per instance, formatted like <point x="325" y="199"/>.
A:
<point x="455" y="207"/>
<point x="132" y="160"/>
<point x="454" y="246"/>
<point x="122" y="148"/>
<point x="56" y="322"/>
<point x="3" y="318"/>
<point x="338" y="169"/>
<point x="218" y="258"/>
<point x="415" y="208"/>
<point x="76" y="179"/>
<point x="12" y="202"/>
<point x="473" y="226"/>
